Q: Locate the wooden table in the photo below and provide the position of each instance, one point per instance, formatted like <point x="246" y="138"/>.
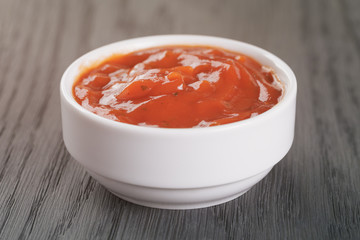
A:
<point x="313" y="193"/>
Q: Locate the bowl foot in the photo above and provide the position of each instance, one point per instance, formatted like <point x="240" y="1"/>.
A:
<point x="180" y="206"/>
<point x="179" y="198"/>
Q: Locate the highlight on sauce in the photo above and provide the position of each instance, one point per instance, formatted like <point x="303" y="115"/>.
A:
<point x="178" y="87"/>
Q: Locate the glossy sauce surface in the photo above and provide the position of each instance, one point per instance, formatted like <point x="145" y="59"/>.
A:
<point x="178" y="87"/>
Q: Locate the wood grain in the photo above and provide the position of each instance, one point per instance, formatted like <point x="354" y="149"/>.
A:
<point x="314" y="193"/>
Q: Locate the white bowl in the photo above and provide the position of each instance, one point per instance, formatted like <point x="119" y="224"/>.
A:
<point x="178" y="168"/>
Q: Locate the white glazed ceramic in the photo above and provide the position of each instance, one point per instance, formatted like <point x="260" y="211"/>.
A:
<point x="178" y="168"/>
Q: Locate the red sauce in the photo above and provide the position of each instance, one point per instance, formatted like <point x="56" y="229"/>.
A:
<point x="178" y="87"/>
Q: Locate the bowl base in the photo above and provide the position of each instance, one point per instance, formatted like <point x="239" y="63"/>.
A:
<point x="180" y="206"/>
<point x="179" y="198"/>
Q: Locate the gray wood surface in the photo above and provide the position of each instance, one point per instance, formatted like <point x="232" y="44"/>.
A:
<point x="314" y="193"/>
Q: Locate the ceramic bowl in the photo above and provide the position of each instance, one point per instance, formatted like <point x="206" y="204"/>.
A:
<point x="178" y="168"/>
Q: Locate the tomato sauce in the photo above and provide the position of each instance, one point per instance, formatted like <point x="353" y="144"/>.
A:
<point x="178" y="87"/>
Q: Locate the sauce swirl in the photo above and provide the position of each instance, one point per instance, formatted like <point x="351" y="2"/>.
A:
<point x="178" y="87"/>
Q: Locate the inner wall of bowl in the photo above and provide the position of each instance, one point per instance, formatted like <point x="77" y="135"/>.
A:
<point x="265" y="58"/>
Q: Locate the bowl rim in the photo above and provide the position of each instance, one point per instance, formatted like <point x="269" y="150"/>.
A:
<point x="290" y="90"/>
